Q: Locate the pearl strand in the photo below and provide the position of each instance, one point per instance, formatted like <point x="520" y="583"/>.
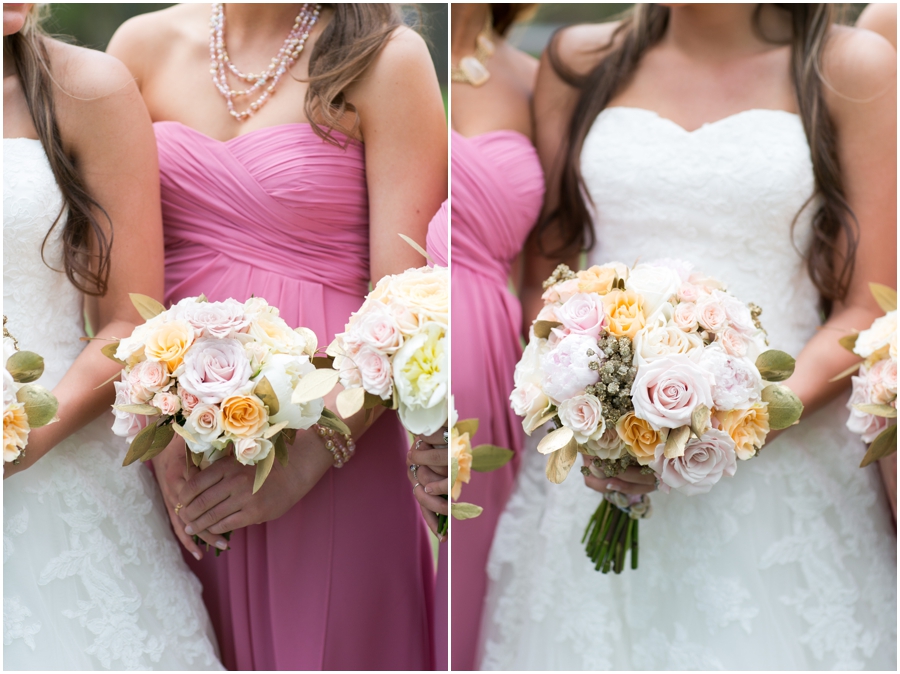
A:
<point x="220" y="63"/>
<point x="340" y="446"/>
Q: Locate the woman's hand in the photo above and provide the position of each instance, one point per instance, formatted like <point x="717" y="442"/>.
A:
<point x="430" y="454"/>
<point x="632" y="481"/>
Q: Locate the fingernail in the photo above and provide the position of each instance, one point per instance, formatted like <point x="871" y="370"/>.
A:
<point x="609" y="485"/>
<point x="222" y="545"/>
<point x="197" y="556"/>
<point x="189" y="530"/>
<point x="428" y="490"/>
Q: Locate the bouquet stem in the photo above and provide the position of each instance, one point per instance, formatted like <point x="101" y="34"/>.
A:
<point x="442" y="521"/>
<point x="610" y="535"/>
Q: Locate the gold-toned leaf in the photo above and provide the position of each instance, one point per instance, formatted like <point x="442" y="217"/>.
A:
<point x="40" y="404"/>
<point x="323" y="362"/>
<point x="885" y="296"/>
<point x="774" y="365"/>
<point x="281" y="451"/>
<point x="486" y="458"/>
<point x="677" y="441"/>
<point x="350" y="401"/>
<point x="783" y="406"/>
<point x="560" y="462"/>
<point x="555" y="440"/>
<point x="883" y="445"/>
<point x="334" y="349"/>
<point x="469" y="426"/>
<point x="465" y="511"/>
<point x="700" y="420"/>
<point x="263" y="468"/>
<point x="372" y="401"/>
<point x="147" y="307"/>
<point x="146" y="410"/>
<point x="109" y="350"/>
<point x="25" y="366"/>
<point x="454" y="470"/>
<point x="542" y="328"/>
<point x="266" y="393"/>
<point x="887" y="411"/>
<point x="196" y="458"/>
<point x="140" y="445"/>
<point x="161" y="440"/>
<point x="846" y="373"/>
<point x="537" y="421"/>
<point x="849" y="341"/>
<point x="331" y="420"/>
<point x="274" y="429"/>
<point x="312" y="342"/>
<point x="184" y="433"/>
<point x="416" y="247"/>
<point x="113" y="378"/>
<point x="314" y="385"/>
<point x="290" y="435"/>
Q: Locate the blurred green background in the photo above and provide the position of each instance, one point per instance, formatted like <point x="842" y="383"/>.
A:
<point x="92" y="24"/>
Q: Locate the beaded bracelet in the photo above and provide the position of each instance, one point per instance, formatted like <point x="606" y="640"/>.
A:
<point x="341" y="446"/>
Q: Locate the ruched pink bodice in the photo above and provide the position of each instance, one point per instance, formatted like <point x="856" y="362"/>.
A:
<point x="497" y="189"/>
<point x="281" y="214"/>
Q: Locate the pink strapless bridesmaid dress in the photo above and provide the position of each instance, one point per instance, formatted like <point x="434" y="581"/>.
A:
<point x="436" y="247"/>
<point x="344" y="579"/>
<point x="497" y="188"/>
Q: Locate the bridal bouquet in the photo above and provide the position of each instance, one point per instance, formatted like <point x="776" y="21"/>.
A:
<point x="464" y="459"/>
<point x="655" y="366"/>
<point x="393" y="351"/>
<point x="225" y="376"/>
<point x="873" y="403"/>
<point x="26" y="405"/>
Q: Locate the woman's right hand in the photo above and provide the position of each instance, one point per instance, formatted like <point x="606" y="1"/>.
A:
<point x="632" y="481"/>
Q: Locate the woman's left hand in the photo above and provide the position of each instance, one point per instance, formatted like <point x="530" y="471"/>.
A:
<point x="429" y="480"/>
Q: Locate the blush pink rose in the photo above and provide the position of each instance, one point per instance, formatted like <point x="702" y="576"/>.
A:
<point x="733" y="342"/>
<point x="220" y="320"/>
<point x="560" y="292"/>
<point x="710" y="314"/>
<point x="702" y="465"/>
<point x="685" y="316"/>
<point x="375" y="371"/>
<point x="583" y="314"/>
<point x="214" y="369"/>
<point x="250" y="451"/>
<point x="126" y="425"/>
<point x="688" y="292"/>
<point x="867" y="426"/>
<point x="379" y="330"/>
<point x="188" y="400"/>
<point x="167" y="403"/>
<point x="666" y="391"/>
<point x="146" y="379"/>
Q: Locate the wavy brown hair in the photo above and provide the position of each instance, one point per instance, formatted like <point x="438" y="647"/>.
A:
<point x="347" y="47"/>
<point x="830" y="268"/>
<point x="86" y="244"/>
<point x="504" y="15"/>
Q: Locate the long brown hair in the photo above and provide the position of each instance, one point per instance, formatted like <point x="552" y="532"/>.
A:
<point x="86" y="244"/>
<point x="829" y="268"/>
<point x="346" y="48"/>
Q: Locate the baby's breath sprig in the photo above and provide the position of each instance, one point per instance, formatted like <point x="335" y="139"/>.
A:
<point x="560" y="274"/>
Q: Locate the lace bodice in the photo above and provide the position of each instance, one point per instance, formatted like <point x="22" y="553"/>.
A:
<point x="722" y="197"/>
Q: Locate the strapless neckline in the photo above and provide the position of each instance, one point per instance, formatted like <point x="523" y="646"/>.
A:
<point x="722" y="121"/>
<point x="266" y="130"/>
<point x="496" y="133"/>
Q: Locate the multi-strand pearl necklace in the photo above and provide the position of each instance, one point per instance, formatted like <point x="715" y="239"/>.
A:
<point x="220" y="63"/>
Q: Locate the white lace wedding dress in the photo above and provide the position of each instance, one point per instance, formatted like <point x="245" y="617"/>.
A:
<point x="92" y="574"/>
<point x="790" y="564"/>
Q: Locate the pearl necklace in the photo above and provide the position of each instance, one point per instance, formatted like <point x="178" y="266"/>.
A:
<point x="266" y="81"/>
<point x="472" y="69"/>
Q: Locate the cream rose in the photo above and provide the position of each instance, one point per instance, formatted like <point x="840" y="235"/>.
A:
<point x="661" y="339"/>
<point x="584" y="416"/>
<point x="131" y="349"/>
<point x="878" y="336"/>
<point x="271" y="331"/>
<point x="425" y="291"/>
<point x="250" y="451"/>
<point x="607" y="446"/>
<point x="204" y="424"/>
<point x="685" y="316"/>
<point x="655" y="284"/>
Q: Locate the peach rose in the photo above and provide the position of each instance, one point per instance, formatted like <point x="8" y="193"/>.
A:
<point x="15" y="431"/>
<point x="461" y="450"/>
<point x="596" y="279"/>
<point x="639" y="436"/>
<point x="169" y="342"/>
<point x="748" y="428"/>
<point x="244" y="416"/>
<point x="625" y="311"/>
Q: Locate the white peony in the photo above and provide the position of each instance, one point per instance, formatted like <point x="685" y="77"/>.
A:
<point x="567" y="367"/>
<point x="737" y="381"/>
<point x="883" y="330"/>
<point x="421" y="376"/>
<point x="284" y="372"/>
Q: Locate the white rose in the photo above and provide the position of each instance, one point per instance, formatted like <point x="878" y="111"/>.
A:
<point x="567" y="367"/>
<point x="656" y="285"/>
<point x="284" y="372"/>
<point x="205" y="426"/>
<point x="608" y="446"/>
<point x="659" y="339"/>
<point x="374" y="371"/>
<point x="271" y="330"/>
<point x="255" y="306"/>
<point x="250" y="451"/>
<point x="256" y="353"/>
<point x="584" y="416"/>
<point x="167" y="403"/>
<point x="737" y="382"/>
<point x="349" y="373"/>
<point x="883" y="330"/>
<point x="422" y="380"/>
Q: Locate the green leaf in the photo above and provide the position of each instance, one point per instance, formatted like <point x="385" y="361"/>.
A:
<point x="884" y="445"/>
<point x="196" y="458"/>
<point x="184" y="433"/>
<point x="561" y="461"/>
<point x="40" y="404"/>
<point x="555" y="440"/>
<point x="314" y="385"/>
<point x="849" y="341"/>
<point x="263" y="468"/>
<point x="465" y="511"/>
<point x="700" y="420"/>
<point x="331" y="420"/>
<point x="846" y="373"/>
<point x="887" y="411"/>
<point x="161" y="440"/>
<point x="676" y="442"/>
<point x="290" y="435"/>
<point x="25" y="366"/>
<point x="266" y="393"/>
<point x="542" y="328"/>
<point x="454" y="470"/>
<point x="774" y="365"/>
<point x="109" y="350"/>
<point x="323" y="362"/>
<point x="147" y="307"/>
<point x="146" y="410"/>
<point x="140" y="445"/>
<point x="281" y="451"/>
<point x="372" y="401"/>
<point x="350" y="401"/>
<point x="783" y="406"/>
<point x="486" y="458"/>
<point x="469" y="426"/>
<point x="885" y="296"/>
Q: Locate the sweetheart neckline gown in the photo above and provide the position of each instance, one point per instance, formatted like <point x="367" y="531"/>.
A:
<point x="791" y="563"/>
<point x="92" y="574"/>
<point x="344" y="579"/>
<point x="496" y="193"/>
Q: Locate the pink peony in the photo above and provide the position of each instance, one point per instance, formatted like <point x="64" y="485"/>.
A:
<point x="666" y="391"/>
<point x="737" y="381"/>
<point x="703" y="464"/>
<point x="566" y="368"/>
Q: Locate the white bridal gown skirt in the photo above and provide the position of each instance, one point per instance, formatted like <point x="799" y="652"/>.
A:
<point x="92" y="574"/>
<point x="790" y="564"/>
